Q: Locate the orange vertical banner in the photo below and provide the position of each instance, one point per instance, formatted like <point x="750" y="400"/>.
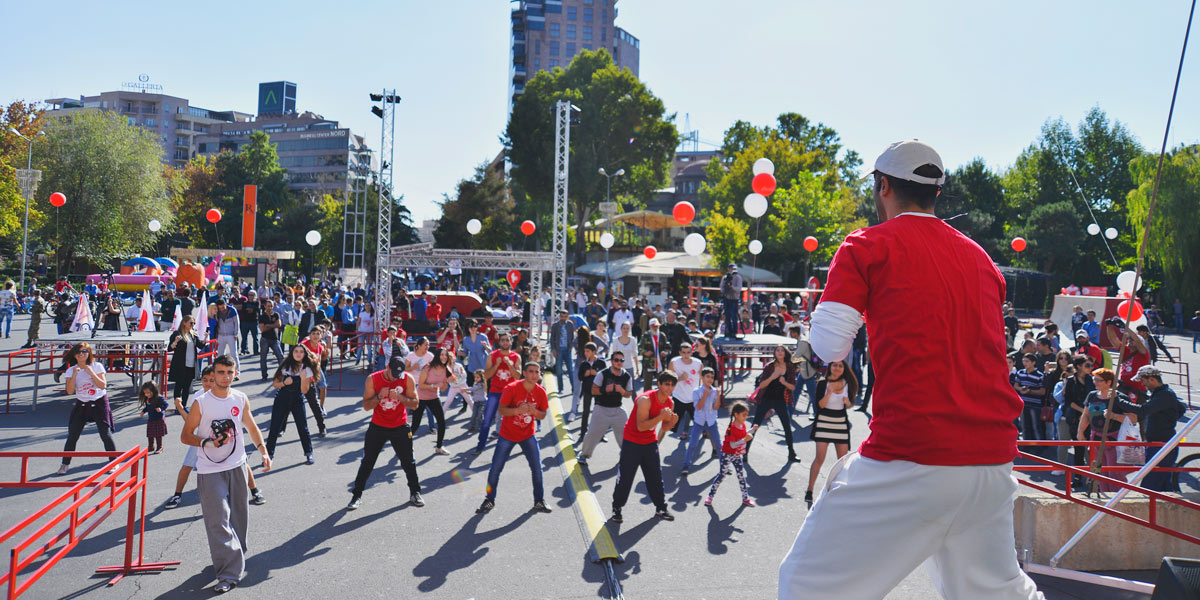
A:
<point x="249" y="210"/>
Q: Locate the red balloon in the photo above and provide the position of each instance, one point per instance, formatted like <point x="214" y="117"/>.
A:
<point x="1123" y="311"/>
<point x="650" y="251"/>
<point x="213" y="215"/>
<point x="1018" y="244"/>
<point x="684" y="212"/>
<point x="57" y="199"/>
<point x="763" y="183"/>
<point x="528" y="228"/>
<point x="514" y="276"/>
<point x="810" y="242"/>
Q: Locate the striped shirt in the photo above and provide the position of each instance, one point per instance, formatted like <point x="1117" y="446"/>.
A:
<point x="1029" y="379"/>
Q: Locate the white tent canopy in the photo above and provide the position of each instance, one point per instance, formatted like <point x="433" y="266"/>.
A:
<point x="666" y="264"/>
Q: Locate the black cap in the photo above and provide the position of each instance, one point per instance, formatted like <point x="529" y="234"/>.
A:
<point x="396" y="364"/>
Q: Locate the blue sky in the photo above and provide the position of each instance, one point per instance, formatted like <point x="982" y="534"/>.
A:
<point x="971" y="78"/>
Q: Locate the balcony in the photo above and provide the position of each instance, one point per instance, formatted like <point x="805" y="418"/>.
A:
<point x="518" y="57"/>
<point x="519" y="74"/>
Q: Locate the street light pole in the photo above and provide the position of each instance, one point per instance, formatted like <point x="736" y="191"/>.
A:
<point x="608" y="200"/>
<point x="29" y="190"/>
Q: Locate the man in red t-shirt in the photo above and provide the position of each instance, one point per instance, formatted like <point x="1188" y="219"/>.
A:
<point x="1083" y="345"/>
<point x="489" y="329"/>
<point x="502" y="368"/>
<point x="433" y="312"/>
<point x="640" y="446"/>
<point x="1135" y="354"/>
<point x="389" y="394"/>
<point x="521" y="403"/>
<point x="933" y="479"/>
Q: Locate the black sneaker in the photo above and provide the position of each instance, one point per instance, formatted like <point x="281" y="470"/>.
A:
<point x="664" y="515"/>
<point x="477" y="452"/>
<point x="321" y="433"/>
<point x="416" y="500"/>
<point x="808" y="498"/>
<point x="487" y="506"/>
<point x="355" y="502"/>
<point x="309" y="460"/>
<point x="616" y="516"/>
<point x="173" y="501"/>
<point x="540" y="506"/>
<point x="257" y="499"/>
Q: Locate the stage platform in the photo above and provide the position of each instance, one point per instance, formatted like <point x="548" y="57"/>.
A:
<point x="752" y="343"/>
<point x="144" y="351"/>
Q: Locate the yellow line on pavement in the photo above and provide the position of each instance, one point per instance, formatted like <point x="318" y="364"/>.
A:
<point x="585" y="500"/>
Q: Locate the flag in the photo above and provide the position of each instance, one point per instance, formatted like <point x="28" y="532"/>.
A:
<point x="201" y="316"/>
<point x="146" y="314"/>
<point x="177" y="319"/>
<point x="83" y="316"/>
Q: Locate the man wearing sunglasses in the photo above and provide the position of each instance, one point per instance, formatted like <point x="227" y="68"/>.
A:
<point x="610" y="387"/>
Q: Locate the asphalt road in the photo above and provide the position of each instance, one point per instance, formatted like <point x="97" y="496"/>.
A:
<point x="303" y="544"/>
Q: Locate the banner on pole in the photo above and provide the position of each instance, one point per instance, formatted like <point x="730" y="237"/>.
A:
<point x="249" y="210"/>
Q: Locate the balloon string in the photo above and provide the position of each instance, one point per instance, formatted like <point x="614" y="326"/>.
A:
<point x="1141" y="257"/>
<point x="1093" y="215"/>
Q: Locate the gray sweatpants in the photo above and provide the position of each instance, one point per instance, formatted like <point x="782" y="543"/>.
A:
<point x="603" y="418"/>
<point x="224" y="502"/>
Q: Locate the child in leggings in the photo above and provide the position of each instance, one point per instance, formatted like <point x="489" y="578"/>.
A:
<point x="156" y="406"/>
<point x="734" y="449"/>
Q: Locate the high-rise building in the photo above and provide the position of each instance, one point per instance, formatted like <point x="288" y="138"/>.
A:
<point x="549" y="33"/>
<point x="173" y="120"/>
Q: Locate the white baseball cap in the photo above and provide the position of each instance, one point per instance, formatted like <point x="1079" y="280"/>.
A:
<point x="902" y="160"/>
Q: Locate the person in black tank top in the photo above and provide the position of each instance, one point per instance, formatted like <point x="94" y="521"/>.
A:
<point x="609" y="387"/>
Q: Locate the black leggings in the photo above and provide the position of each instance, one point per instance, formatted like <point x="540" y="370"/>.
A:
<point x="314" y="404"/>
<point x="781" y="411"/>
<point x="645" y="457"/>
<point x="436" y="407"/>
<point x="401" y="440"/>
<point x="288" y="401"/>
<point x="75" y="428"/>
<point x="683" y="410"/>
<point x="183" y="387"/>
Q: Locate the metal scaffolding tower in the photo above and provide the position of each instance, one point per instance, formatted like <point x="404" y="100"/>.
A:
<point x="354" y="240"/>
<point x="562" y="159"/>
<point x="386" y="111"/>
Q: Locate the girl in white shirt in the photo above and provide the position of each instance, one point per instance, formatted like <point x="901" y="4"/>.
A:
<point x="85" y="380"/>
<point x="627" y="345"/>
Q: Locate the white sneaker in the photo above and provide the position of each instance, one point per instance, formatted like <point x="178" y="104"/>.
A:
<point x="62" y="470"/>
<point x="1058" y="472"/>
<point x="441" y="451"/>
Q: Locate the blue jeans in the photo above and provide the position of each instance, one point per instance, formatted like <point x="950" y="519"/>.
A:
<point x="564" y="366"/>
<point x="6" y="317"/>
<point x="489" y="415"/>
<point x="731" y="317"/>
<point x="694" y="441"/>
<point x="265" y="347"/>
<point x="504" y="447"/>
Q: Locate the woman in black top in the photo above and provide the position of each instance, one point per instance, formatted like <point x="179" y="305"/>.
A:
<point x="835" y="395"/>
<point x="111" y="316"/>
<point x="1075" y="393"/>
<point x="773" y="386"/>
<point x="704" y="353"/>
<point x="292" y="379"/>
<point x="185" y="348"/>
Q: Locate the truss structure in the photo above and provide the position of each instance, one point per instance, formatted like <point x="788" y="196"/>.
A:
<point x="354" y="240"/>
<point x="383" y="242"/>
<point x="562" y="158"/>
<point x="425" y="256"/>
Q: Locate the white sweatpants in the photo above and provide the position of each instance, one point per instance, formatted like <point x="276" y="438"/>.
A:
<point x="228" y="344"/>
<point x="876" y="521"/>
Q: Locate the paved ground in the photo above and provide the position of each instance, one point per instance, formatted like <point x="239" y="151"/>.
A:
<point x="304" y="545"/>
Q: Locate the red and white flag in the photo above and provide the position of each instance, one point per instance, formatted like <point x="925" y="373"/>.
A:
<point x="146" y="313"/>
<point x="201" y="316"/>
<point x="177" y="320"/>
<point x="83" y="316"/>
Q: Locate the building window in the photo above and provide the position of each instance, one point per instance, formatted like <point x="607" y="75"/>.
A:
<point x="131" y="120"/>
<point x="587" y="1"/>
<point x="604" y="15"/>
<point x="570" y="13"/>
<point x="537" y="63"/>
<point x="553" y="63"/>
<point x="537" y="46"/>
<point x="570" y="48"/>
<point x="130" y="107"/>
<point x="149" y="122"/>
<point x="570" y="32"/>
<point x="587" y="15"/>
<point x="587" y="46"/>
<point x="554" y="30"/>
<point x="604" y="34"/>
<point x="553" y="49"/>
<point x="587" y="33"/>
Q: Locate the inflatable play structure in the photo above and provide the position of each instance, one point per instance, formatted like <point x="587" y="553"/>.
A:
<point x="138" y="273"/>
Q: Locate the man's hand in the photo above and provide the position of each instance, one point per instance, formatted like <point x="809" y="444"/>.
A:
<point x="266" y="461"/>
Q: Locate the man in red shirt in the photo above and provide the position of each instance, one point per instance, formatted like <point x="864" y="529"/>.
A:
<point x="640" y="446"/>
<point x="488" y="329"/>
<point x="501" y="369"/>
<point x="522" y="403"/>
<point x="1135" y="354"/>
<point x="933" y="480"/>
<point x="433" y="312"/>
<point x="389" y="394"/>
<point x="1083" y="345"/>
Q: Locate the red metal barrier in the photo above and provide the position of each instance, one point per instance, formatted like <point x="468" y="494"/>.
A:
<point x="77" y="513"/>
<point x="1180" y="369"/>
<point x="1150" y="522"/>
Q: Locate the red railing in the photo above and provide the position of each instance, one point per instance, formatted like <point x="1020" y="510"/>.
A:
<point x="1152" y="520"/>
<point x="1181" y="371"/>
<point x="82" y="509"/>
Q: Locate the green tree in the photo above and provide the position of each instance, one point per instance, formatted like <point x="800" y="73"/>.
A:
<point x="807" y="208"/>
<point x="111" y="174"/>
<point x="621" y="125"/>
<point x="1174" y="239"/>
<point x="27" y="119"/>
<point x="977" y="194"/>
<point x="255" y="164"/>
<point x="727" y="237"/>
<point x="485" y="197"/>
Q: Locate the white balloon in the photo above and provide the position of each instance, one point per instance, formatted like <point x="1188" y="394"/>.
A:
<point x="607" y="240"/>
<point x="313" y="237"/>
<point x="764" y="165"/>
<point x="1125" y="281"/>
<point x="474" y="226"/>
<point x="694" y="244"/>
<point x="755" y="205"/>
<point x="155" y="225"/>
<point x="755" y="247"/>
<point x="1111" y="233"/>
<point x="1093" y="229"/>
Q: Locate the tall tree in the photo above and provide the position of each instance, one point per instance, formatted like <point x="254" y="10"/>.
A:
<point x="621" y="125"/>
<point x="973" y="202"/>
<point x="807" y="208"/>
<point x="726" y="236"/>
<point x="27" y="119"/>
<point x="1174" y="240"/>
<point x="111" y="174"/>
<point x="485" y="197"/>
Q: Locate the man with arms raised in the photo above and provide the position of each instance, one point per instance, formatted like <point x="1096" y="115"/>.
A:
<point x="933" y="480"/>
<point x="215" y="426"/>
